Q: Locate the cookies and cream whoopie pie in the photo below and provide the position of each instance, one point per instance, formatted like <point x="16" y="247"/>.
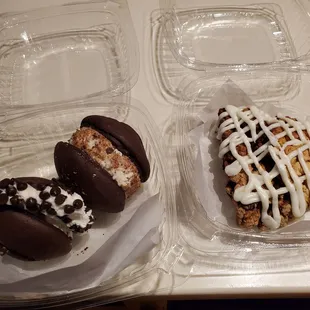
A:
<point x="38" y="217"/>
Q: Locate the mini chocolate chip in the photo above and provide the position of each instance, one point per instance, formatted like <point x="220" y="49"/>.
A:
<point x="5" y="183"/>
<point x="55" y="190"/>
<point x="44" y="195"/>
<point x="20" y="203"/>
<point x="21" y="186"/>
<point x="14" y="200"/>
<point x="78" y="229"/>
<point x="40" y="187"/>
<point x="31" y="204"/>
<point x="3" y="198"/>
<point x="45" y="205"/>
<point x="77" y="204"/>
<point x="109" y="150"/>
<point x="60" y="199"/>
<point x="69" y="209"/>
<point x="51" y="211"/>
<point x="11" y="190"/>
<point x="3" y="250"/>
<point x="66" y="219"/>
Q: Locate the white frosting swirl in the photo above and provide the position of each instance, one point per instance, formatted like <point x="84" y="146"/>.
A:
<point x="80" y="217"/>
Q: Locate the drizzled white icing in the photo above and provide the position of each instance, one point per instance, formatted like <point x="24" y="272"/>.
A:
<point x="80" y="217"/>
<point x="254" y="190"/>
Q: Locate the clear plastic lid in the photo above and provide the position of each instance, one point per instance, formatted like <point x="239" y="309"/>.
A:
<point x="67" y="52"/>
<point x="206" y="214"/>
<point x="244" y="33"/>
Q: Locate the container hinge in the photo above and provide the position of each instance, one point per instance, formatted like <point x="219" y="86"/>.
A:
<point x="172" y="258"/>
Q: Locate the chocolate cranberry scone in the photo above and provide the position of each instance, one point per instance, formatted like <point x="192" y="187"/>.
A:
<point x="267" y="161"/>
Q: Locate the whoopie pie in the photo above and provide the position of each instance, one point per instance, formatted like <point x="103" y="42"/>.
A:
<point x="38" y="218"/>
<point x="104" y="161"/>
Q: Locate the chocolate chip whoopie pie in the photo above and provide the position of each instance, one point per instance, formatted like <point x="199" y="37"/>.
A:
<point x="38" y="218"/>
<point x="104" y="161"/>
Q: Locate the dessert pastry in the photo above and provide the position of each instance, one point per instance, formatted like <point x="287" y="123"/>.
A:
<point x="38" y="218"/>
<point x="105" y="161"/>
<point x="267" y="161"/>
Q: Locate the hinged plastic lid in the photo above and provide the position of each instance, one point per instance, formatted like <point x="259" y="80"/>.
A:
<point x="67" y="52"/>
<point x="285" y="91"/>
<point x="242" y="33"/>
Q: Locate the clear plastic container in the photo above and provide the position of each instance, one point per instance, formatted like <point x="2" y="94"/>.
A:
<point x="169" y="76"/>
<point x="67" y="52"/>
<point x="166" y="74"/>
<point x="57" y="65"/>
<point x="242" y="34"/>
<point x="27" y="142"/>
<point x="224" y="248"/>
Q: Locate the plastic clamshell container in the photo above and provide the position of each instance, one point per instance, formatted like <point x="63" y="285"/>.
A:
<point x="216" y="34"/>
<point x="67" y="52"/>
<point x="27" y="142"/>
<point x="59" y="64"/>
<point x="167" y="73"/>
<point x="236" y="250"/>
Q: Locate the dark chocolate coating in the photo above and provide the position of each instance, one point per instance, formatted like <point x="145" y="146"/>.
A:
<point x="124" y="138"/>
<point x="30" y="237"/>
<point x="76" y="168"/>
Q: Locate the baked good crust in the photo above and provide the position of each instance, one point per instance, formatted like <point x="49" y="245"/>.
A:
<point x="278" y="134"/>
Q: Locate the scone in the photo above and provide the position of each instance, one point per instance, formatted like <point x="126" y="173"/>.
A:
<point x="267" y="161"/>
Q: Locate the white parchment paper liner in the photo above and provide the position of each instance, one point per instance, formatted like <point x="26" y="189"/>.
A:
<point x="209" y="178"/>
<point x="115" y="242"/>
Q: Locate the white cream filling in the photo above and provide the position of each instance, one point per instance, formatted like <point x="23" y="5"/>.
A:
<point x="91" y="143"/>
<point x="79" y="217"/>
<point x="121" y="175"/>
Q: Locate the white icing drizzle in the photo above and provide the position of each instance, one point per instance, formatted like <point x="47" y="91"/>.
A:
<point x="80" y="217"/>
<point x="259" y="187"/>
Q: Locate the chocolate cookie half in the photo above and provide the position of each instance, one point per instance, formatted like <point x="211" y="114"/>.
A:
<point x="38" y="218"/>
<point x="105" y="161"/>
